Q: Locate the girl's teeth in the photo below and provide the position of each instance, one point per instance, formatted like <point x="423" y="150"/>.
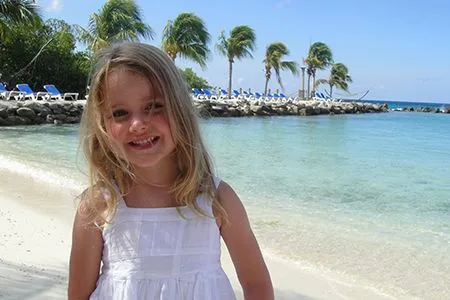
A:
<point x="145" y="142"/>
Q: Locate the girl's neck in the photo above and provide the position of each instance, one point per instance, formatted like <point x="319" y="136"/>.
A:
<point x="159" y="177"/>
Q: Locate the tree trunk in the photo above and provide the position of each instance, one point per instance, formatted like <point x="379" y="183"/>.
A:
<point x="267" y="80"/>
<point x="331" y="91"/>
<point x="313" y="92"/>
<point x="230" y="70"/>
<point x="309" y="87"/>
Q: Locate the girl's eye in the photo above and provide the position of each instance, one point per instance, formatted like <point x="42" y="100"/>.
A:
<point x="154" y="107"/>
<point x="119" y="113"/>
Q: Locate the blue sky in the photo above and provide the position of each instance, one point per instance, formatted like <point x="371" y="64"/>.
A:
<point x="399" y="50"/>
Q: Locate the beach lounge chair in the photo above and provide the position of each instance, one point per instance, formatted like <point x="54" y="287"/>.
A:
<point x="319" y="97"/>
<point x="57" y="95"/>
<point x="276" y="97"/>
<point x="25" y="88"/>
<point x="258" y="96"/>
<point x="198" y="95"/>
<point x="209" y="95"/>
<point x="324" y="98"/>
<point x="7" y="95"/>
<point x="268" y="97"/>
<point x="223" y="94"/>
<point x="250" y="96"/>
<point x="285" y="98"/>
<point x="237" y="95"/>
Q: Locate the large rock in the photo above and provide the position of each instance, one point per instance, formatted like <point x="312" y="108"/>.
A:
<point x="16" y="120"/>
<point x="3" y="112"/>
<point x="26" y="112"/>
<point x="34" y="105"/>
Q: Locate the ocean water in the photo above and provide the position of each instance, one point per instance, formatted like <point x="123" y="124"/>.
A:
<point x="404" y="104"/>
<point x="363" y="199"/>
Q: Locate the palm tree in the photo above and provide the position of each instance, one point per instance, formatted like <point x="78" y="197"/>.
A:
<point x="319" y="57"/>
<point x="16" y="12"/>
<point x="117" y="20"/>
<point x="338" y="77"/>
<point x="274" y="54"/>
<point x="240" y="44"/>
<point x="187" y="36"/>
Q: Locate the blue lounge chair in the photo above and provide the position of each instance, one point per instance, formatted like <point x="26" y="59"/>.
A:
<point x="284" y="97"/>
<point x="276" y="97"/>
<point x="56" y="94"/>
<point x="318" y="97"/>
<point x="24" y="87"/>
<point x="7" y="95"/>
<point x="268" y="97"/>
<point x="198" y="95"/>
<point x="237" y="95"/>
<point x="208" y="94"/>
<point x="223" y="94"/>
<point x="258" y="95"/>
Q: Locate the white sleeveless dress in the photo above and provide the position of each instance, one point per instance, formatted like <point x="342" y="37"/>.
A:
<point x="154" y="253"/>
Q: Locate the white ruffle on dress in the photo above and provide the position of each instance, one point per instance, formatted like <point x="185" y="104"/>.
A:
<point x="154" y="253"/>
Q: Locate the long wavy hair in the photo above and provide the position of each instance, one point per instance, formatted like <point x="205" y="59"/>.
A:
<point x="111" y="175"/>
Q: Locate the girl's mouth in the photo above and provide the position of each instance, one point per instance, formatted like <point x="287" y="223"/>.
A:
<point x="144" y="143"/>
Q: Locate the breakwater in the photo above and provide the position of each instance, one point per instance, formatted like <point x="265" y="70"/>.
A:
<point x="69" y="112"/>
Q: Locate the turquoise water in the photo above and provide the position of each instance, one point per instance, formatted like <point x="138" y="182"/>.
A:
<point x="361" y="198"/>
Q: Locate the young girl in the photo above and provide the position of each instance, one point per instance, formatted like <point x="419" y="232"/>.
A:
<point x="154" y="213"/>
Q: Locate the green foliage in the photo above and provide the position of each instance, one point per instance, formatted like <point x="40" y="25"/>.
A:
<point x="239" y="44"/>
<point x="188" y="37"/>
<point x="117" y="20"/>
<point x="193" y="80"/>
<point x="339" y="78"/>
<point x="319" y="57"/>
<point x="14" y="12"/>
<point x="272" y="60"/>
<point x="50" y="49"/>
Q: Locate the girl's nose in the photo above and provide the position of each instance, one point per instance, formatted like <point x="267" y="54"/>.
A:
<point x="139" y="124"/>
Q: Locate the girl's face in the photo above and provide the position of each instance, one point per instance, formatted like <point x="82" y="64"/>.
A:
<point x="136" y="121"/>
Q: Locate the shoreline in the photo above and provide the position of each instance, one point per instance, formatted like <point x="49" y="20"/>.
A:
<point x="35" y="249"/>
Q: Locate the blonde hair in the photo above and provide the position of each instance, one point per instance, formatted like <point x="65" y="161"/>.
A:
<point x="111" y="176"/>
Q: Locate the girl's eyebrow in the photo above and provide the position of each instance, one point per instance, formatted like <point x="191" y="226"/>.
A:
<point x="115" y="105"/>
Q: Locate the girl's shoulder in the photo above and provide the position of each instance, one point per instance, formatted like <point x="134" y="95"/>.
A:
<point x="93" y="204"/>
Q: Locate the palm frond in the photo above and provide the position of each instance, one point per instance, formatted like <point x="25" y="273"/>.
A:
<point x="187" y="36"/>
<point x="116" y="20"/>
<point x="222" y="44"/>
<point x="292" y="66"/>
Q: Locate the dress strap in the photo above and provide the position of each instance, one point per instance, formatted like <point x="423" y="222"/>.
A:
<point x="216" y="181"/>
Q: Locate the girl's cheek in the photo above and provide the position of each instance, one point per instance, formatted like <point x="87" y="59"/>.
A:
<point x="115" y="131"/>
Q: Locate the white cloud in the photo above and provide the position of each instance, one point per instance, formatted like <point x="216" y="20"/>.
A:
<point x="240" y="80"/>
<point x="55" y="6"/>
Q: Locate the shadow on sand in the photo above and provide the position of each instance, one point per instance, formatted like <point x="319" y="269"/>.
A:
<point x="20" y="281"/>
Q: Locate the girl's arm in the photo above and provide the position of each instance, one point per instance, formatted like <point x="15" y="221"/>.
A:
<point x="85" y="257"/>
<point x="243" y="247"/>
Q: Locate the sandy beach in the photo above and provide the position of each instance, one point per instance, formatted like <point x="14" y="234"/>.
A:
<point x="35" y="222"/>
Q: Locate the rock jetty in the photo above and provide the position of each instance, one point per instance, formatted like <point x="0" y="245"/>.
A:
<point x="69" y="112"/>
<point x="444" y="110"/>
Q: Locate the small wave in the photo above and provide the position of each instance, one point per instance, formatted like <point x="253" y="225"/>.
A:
<point x="40" y="174"/>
